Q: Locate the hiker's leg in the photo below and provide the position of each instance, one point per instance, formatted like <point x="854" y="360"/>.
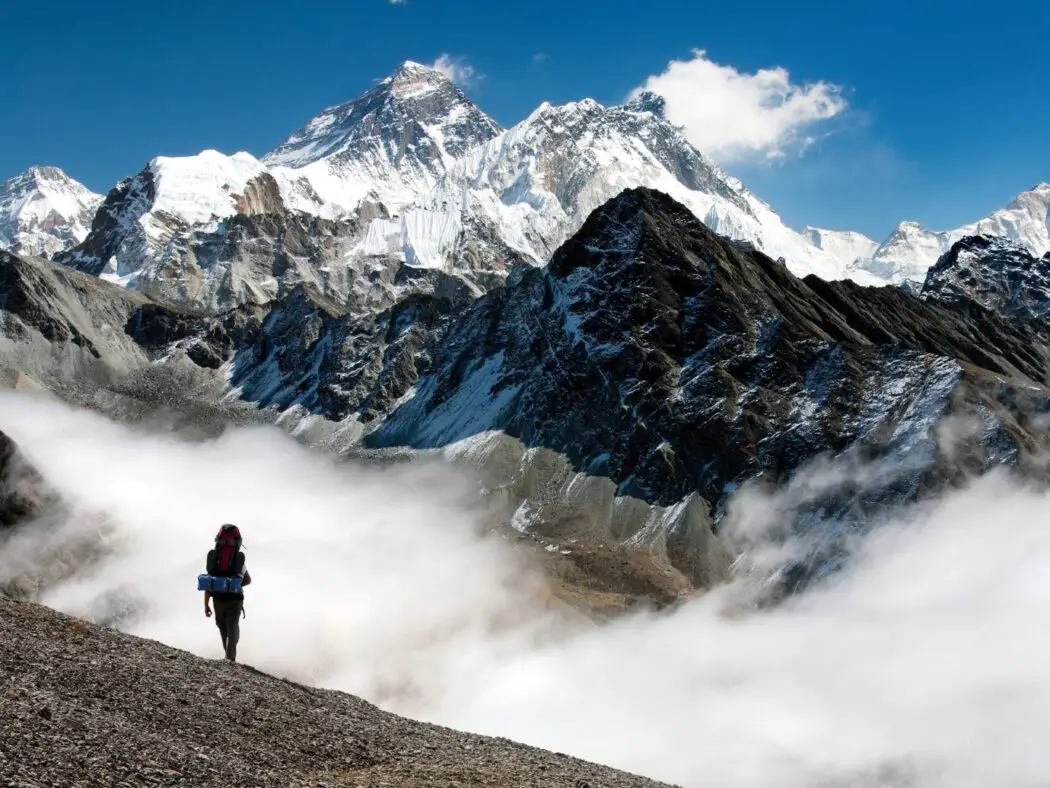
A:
<point x="233" y="630"/>
<point x="221" y="612"/>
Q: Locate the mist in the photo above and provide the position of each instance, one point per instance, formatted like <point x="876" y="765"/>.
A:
<point x="924" y="663"/>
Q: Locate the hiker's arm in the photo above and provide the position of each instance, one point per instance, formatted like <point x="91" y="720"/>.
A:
<point x="207" y="603"/>
<point x="247" y="578"/>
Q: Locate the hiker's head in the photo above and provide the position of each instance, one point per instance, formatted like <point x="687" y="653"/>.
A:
<point x="228" y="534"/>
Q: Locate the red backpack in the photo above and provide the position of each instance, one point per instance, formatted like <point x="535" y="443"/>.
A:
<point x="226" y="559"/>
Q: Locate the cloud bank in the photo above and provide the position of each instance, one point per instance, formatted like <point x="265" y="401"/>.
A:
<point x="731" y="116"/>
<point x="922" y="665"/>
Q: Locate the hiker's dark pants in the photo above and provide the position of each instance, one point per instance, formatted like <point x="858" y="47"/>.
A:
<point x="228" y="620"/>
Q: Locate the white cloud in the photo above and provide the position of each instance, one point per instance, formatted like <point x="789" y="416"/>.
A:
<point x="397" y="2"/>
<point x="540" y="57"/>
<point x="730" y="115"/>
<point x="933" y="638"/>
<point x="457" y="69"/>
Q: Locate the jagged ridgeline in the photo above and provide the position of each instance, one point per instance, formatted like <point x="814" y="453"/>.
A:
<point x="413" y="175"/>
<point x="615" y="398"/>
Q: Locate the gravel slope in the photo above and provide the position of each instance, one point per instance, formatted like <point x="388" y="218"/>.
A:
<point x="86" y="706"/>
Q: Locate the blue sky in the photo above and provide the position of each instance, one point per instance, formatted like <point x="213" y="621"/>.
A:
<point x="941" y="107"/>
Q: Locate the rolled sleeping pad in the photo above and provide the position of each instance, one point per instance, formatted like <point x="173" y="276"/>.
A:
<point x="219" y="585"/>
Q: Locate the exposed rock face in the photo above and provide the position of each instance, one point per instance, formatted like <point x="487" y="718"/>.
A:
<point x="1000" y="275"/>
<point x="59" y="324"/>
<point x="674" y="361"/>
<point x="82" y="699"/>
<point x="114" y="227"/>
<point x="22" y="489"/>
<point x="253" y="252"/>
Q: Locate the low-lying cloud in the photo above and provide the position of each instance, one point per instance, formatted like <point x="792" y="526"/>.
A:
<point x="923" y="664"/>
<point x="730" y="115"/>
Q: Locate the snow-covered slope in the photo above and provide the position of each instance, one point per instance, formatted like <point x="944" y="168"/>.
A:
<point x="844" y="245"/>
<point x="911" y="249"/>
<point x="43" y="211"/>
<point x="213" y="231"/>
<point x="538" y="181"/>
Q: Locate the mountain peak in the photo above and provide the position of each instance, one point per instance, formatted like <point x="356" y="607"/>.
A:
<point x="635" y="218"/>
<point x="47" y="172"/>
<point x="647" y="101"/>
<point x="43" y="211"/>
<point x="414" y="78"/>
<point x="38" y="174"/>
<point x="415" y="118"/>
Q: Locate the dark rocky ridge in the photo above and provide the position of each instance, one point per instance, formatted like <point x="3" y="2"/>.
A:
<point x="670" y="359"/>
<point x="106" y="234"/>
<point x="84" y="705"/>
<point x="993" y="272"/>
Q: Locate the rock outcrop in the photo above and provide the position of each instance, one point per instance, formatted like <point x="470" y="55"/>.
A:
<point x="23" y="493"/>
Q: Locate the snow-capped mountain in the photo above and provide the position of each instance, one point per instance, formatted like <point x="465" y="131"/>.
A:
<point x="911" y="249"/>
<point x="413" y="174"/>
<point x="536" y="182"/>
<point x="43" y="211"/>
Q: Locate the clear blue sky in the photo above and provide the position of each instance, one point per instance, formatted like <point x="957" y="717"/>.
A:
<point x="948" y="113"/>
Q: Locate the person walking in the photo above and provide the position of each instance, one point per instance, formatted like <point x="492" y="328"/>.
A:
<point x="227" y="560"/>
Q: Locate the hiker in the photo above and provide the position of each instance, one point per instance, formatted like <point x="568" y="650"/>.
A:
<point x="226" y="560"/>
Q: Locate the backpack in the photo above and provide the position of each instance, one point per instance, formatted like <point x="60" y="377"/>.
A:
<point x="226" y="558"/>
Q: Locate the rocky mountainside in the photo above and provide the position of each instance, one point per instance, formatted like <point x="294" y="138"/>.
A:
<point x="21" y="489"/>
<point x="997" y="274"/>
<point x="43" y="211"/>
<point x="615" y="398"/>
<point x="673" y="361"/>
<point x="911" y="249"/>
<point x="84" y="704"/>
